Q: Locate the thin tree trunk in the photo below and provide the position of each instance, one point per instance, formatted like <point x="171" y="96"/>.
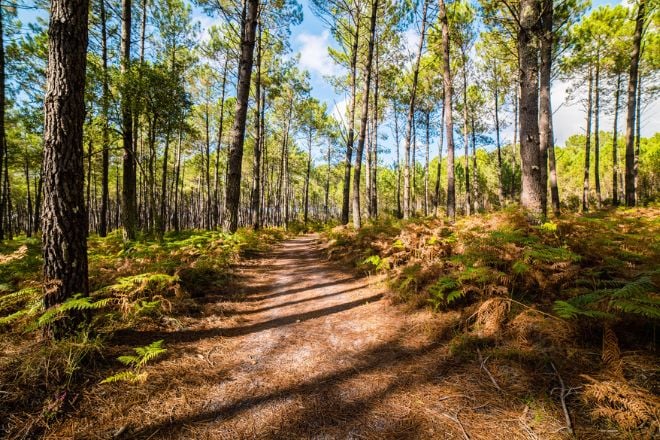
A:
<point x="357" y="220"/>
<point x="398" y="164"/>
<point x="105" y="132"/>
<point x="630" y="118"/>
<point x="235" y="160"/>
<point x="28" y="229"/>
<point x="615" y="147"/>
<point x="638" y="133"/>
<point x="374" y="170"/>
<point x="596" y="134"/>
<point x="256" y="164"/>
<point x="546" y="141"/>
<point x="466" y="141"/>
<point x="411" y="113"/>
<point x="218" y="148"/>
<point x="426" y="164"/>
<point x="307" y="174"/>
<point x="447" y="111"/>
<point x="436" y="197"/>
<point x="500" y="177"/>
<point x="2" y="122"/>
<point x="587" y="147"/>
<point x="65" y="220"/>
<point x="351" y="126"/>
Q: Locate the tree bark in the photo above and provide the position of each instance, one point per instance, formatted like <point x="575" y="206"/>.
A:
<point x="466" y="140"/>
<point x="218" y="148"/>
<point x="596" y="134"/>
<point x="357" y="220"/>
<point x="546" y="138"/>
<point x="248" y="36"/>
<point x="351" y="126"/>
<point x="532" y="188"/>
<point x="500" y="178"/>
<point x="2" y="123"/>
<point x="64" y="218"/>
<point x="411" y="114"/>
<point x="436" y="197"/>
<point x="255" y="208"/>
<point x="448" y="119"/>
<point x="615" y="147"/>
<point x="587" y="147"/>
<point x="630" y="118"/>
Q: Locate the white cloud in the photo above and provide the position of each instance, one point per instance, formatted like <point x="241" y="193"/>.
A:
<point x="340" y="111"/>
<point x="314" y="53"/>
<point x="570" y="117"/>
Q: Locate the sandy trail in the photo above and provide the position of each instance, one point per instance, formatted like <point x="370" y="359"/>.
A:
<point x="309" y="352"/>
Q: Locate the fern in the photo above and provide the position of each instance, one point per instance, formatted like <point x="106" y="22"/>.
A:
<point x="142" y="356"/>
<point x="77" y="303"/>
<point x="637" y="297"/>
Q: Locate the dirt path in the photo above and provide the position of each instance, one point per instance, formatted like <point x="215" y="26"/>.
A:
<point x="309" y="352"/>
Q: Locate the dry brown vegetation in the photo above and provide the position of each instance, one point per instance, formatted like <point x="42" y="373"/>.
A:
<point x="513" y="284"/>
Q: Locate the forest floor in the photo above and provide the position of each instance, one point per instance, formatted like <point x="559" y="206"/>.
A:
<point x="308" y="350"/>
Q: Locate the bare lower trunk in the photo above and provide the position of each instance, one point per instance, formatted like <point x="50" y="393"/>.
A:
<point x="596" y="134"/>
<point x="129" y="183"/>
<point x="235" y="159"/>
<point x="449" y="124"/>
<point x="587" y="148"/>
<point x="351" y="128"/>
<point x="411" y="113"/>
<point x="532" y="188"/>
<point x="64" y="217"/>
<point x="630" y="118"/>
<point x="615" y="147"/>
<point x="357" y="220"/>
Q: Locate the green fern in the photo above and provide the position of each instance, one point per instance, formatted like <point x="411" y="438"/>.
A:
<point x="637" y="297"/>
<point x="142" y="356"/>
<point x="77" y="303"/>
<point x="376" y="263"/>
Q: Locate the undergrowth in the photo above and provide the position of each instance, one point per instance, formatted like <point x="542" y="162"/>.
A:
<point x="556" y="285"/>
<point x="132" y="284"/>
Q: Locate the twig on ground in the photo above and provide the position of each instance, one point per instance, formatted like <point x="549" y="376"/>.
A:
<point x="563" y="393"/>
<point x="456" y="420"/>
<point x="483" y="367"/>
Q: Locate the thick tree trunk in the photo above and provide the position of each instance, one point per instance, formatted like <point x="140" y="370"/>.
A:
<point x="398" y="163"/>
<point x="587" y="146"/>
<point x="64" y="218"/>
<point x="532" y="188"/>
<point x="357" y="220"/>
<point x="129" y="195"/>
<point x="235" y="159"/>
<point x="326" y="204"/>
<point x="411" y="113"/>
<point x="475" y="173"/>
<point x="630" y="118"/>
<point x="615" y="147"/>
<point x="448" y="118"/>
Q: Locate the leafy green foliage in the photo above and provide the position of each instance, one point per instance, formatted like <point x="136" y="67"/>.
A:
<point x="636" y="297"/>
<point x="142" y="356"/>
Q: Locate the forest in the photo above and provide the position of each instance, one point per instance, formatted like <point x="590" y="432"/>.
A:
<point x="329" y="219"/>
